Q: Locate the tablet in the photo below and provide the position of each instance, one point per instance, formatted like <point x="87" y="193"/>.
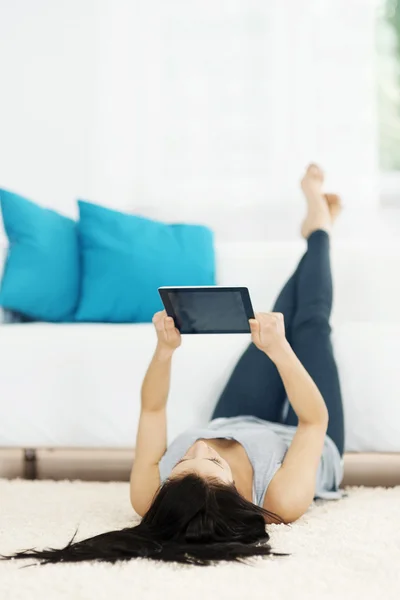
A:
<point x="208" y="309"/>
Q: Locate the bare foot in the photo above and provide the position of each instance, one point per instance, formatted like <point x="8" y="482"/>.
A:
<point x="320" y="211"/>
<point x="334" y="205"/>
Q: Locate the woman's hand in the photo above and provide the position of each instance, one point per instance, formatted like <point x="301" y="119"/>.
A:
<point x="168" y="336"/>
<point x="268" y="333"/>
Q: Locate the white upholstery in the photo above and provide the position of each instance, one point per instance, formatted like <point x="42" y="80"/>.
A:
<point x="79" y="385"/>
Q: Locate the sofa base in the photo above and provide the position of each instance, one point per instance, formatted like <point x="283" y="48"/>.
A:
<point x="369" y="469"/>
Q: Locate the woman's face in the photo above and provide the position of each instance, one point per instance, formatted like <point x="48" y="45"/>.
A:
<point x="204" y="461"/>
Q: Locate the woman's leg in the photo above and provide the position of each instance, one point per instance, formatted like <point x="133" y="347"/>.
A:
<point x="311" y="331"/>
<point x="255" y="386"/>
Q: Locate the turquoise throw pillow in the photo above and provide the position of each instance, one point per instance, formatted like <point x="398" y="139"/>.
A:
<point x="41" y="272"/>
<point x="125" y="258"/>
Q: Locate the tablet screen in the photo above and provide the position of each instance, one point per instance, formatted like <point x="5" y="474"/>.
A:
<point x="209" y="312"/>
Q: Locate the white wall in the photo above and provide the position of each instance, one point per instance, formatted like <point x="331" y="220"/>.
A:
<point x="185" y="106"/>
<point x="48" y="63"/>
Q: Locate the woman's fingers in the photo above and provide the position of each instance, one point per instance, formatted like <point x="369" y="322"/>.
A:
<point x="157" y="316"/>
<point x="255" y="329"/>
<point x="158" y="319"/>
<point x="164" y="324"/>
<point x="169" y="322"/>
<point x="169" y="327"/>
<point x="168" y="335"/>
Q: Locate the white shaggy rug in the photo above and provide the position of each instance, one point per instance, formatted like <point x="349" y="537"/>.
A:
<point x="341" y="550"/>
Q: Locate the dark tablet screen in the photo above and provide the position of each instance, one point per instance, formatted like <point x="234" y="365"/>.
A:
<point x="210" y="311"/>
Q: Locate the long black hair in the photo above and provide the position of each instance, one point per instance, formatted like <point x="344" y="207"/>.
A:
<point x="191" y="520"/>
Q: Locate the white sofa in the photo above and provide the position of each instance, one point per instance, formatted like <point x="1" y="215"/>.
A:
<point x="78" y="386"/>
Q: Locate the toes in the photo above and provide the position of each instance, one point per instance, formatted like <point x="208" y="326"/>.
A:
<point x="334" y="205"/>
<point x="315" y="171"/>
<point x="333" y="199"/>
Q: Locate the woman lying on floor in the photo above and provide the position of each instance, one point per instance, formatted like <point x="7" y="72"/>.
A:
<point x="209" y="495"/>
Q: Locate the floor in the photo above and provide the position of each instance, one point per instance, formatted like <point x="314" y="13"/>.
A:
<point x="339" y="549"/>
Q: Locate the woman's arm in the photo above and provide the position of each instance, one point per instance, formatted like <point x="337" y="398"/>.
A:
<point x="268" y="334"/>
<point x="151" y="439"/>
<point x="156" y="383"/>
<point x="292" y="488"/>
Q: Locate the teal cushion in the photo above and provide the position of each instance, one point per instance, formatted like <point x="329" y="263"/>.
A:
<point x="125" y="258"/>
<point x="41" y="272"/>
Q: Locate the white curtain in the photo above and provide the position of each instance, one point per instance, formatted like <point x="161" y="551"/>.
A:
<point x="185" y="107"/>
<point x="221" y="103"/>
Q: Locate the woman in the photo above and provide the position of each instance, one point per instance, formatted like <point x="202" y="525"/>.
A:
<point x="209" y="495"/>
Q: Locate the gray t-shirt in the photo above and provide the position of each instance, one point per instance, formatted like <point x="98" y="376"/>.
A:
<point x="266" y="444"/>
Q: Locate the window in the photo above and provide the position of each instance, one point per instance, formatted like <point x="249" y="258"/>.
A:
<point x="388" y="48"/>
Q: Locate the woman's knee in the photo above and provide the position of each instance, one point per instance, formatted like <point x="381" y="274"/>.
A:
<point x="313" y="319"/>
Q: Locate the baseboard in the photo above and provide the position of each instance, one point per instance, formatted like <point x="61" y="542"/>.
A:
<point x="86" y="464"/>
<point x="11" y="463"/>
<point x="369" y="469"/>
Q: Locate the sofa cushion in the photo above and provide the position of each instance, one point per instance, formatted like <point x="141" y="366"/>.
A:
<point x="41" y="271"/>
<point x="125" y="258"/>
<point x="80" y="387"/>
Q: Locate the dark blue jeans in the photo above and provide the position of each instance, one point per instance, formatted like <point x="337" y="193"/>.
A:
<point x="255" y="386"/>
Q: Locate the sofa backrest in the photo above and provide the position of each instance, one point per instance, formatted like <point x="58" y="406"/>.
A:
<point x="366" y="275"/>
